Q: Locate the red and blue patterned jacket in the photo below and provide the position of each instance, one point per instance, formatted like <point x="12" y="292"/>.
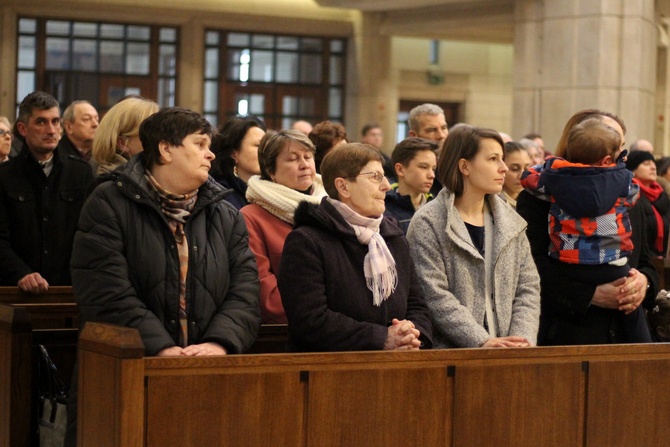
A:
<point x="588" y="217"/>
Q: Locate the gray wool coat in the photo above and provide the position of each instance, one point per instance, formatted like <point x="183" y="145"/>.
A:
<point x="452" y="274"/>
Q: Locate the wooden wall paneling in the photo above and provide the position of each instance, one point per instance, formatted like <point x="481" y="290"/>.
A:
<point x="403" y="406"/>
<point x="628" y="403"/>
<point x="520" y="405"/>
<point x="225" y="410"/>
<point x="15" y="377"/>
<point x="112" y="370"/>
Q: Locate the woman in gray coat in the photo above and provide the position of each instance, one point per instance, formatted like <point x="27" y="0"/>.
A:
<point x="471" y="253"/>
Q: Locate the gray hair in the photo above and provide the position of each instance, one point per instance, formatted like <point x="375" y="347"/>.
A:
<point x="68" y="114"/>
<point x="528" y="143"/>
<point x="423" y="109"/>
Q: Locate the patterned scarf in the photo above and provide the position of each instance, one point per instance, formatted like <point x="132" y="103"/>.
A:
<point x="279" y="200"/>
<point x="653" y="192"/>
<point x="177" y="208"/>
<point x="379" y="266"/>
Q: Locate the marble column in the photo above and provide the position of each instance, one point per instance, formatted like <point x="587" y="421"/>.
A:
<point x="371" y="92"/>
<point x="576" y="54"/>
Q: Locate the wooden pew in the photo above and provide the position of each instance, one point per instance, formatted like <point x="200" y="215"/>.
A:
<point x="51" y="319"/>
<point x="558" y="396"/>
<point x="27" y="320"/>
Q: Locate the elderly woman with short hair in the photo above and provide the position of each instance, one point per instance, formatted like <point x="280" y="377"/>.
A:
<point x="288" y="177"/>
<point x="346" y="278"/>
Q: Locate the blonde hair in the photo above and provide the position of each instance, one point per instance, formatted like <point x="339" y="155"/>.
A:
<point x="5" y="121"/>
<point x="122" y="120"/>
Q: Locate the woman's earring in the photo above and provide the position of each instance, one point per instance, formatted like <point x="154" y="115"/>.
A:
<point x="235" y="171"/>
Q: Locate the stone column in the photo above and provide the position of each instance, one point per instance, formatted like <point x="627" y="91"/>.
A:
<point x="576" y="54"/>
<point x="371" y="92"/>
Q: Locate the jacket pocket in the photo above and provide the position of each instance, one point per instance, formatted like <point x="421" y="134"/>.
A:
<point x="21" y="196"/>
<point x="71" y="196"/>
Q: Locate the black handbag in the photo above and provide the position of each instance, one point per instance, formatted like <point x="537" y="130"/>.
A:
<point x="53" y="393"/>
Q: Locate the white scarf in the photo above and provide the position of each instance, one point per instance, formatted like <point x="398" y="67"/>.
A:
<point x="279" y="200"/>
<point x="381" y="275"/>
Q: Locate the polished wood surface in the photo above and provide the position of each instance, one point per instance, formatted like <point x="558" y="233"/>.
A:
<point x="558" y="396"/>
<point x="52" y="319"/>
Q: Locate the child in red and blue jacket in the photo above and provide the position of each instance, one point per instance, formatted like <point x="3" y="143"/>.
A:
<point x="590" y="193"/>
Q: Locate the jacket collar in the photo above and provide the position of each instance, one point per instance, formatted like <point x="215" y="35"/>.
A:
<point x="132" y="183"/>
<point x="507" y="224"/>
<point x="324" y="216"/>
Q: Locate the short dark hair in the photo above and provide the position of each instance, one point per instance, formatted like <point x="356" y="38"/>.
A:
<point x="324" y="135"/>
<point x="512" y="147"/>
<point x="462" y="143"/>
<point x="346" y="161"/>
<point x="229" y="139"/>
<point x="591" y="141"/>
<point x="35" y="100"/>
<point x="170" y="125"/>
<point x="273" y="143"/>
<point x="407" y="149"/>
<point x="368" y="127"/>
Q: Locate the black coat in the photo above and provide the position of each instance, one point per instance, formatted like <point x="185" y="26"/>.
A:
<point x="662" y="205"/>
<point x="323" y="288"/>
<point x="38" y="216"/>
<point x="567" y="317"/>
<point x="125" y="266"/>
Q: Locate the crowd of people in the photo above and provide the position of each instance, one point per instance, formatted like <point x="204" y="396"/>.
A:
<point x="461" y="237"/>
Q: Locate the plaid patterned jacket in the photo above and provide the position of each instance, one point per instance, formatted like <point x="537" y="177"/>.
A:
<point x="588" y="218"/>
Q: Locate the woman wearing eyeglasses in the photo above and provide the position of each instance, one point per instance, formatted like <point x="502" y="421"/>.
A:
<point x="471" y="253"/>
<point x="288" y="177"/>
<point x="5" y="139"/>
<point x="346" y="278"/>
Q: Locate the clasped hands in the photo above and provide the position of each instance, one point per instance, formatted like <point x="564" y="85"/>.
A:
<point x="402" y="335"/>
<point x="624" y="294"/>
<point x="199" y="350"/>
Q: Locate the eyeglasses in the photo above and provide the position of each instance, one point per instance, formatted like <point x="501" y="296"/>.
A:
<point x="375" y="176"/>
<point x="5" y="132"/>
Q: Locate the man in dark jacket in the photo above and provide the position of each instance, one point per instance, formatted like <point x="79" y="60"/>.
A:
<point x="41" y="195"/>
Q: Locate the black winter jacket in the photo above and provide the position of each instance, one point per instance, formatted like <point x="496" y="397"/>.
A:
<point x="125" y="265"/>
<point x="38" y="216"/>
<point x="662" y="205"/>
<point x="323" y="288"/>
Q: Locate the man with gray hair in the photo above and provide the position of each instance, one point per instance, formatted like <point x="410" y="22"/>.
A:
<point x="642" y="145"/>
<point x="41" y="194"/>
<point x="428" y="121"/>
<point x="80" y="121"/>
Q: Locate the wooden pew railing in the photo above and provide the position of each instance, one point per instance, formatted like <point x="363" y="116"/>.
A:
<point x="28" y="320"/>
<point x="548" y="396"/>
<point x="52" y="319"/>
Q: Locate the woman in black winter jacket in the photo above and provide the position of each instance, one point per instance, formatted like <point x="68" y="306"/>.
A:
<point x="158" y="249"/>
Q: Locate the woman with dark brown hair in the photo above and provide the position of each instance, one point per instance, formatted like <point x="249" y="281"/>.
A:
<point x="471" y="253"/>
<point x="326" y="135"/>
